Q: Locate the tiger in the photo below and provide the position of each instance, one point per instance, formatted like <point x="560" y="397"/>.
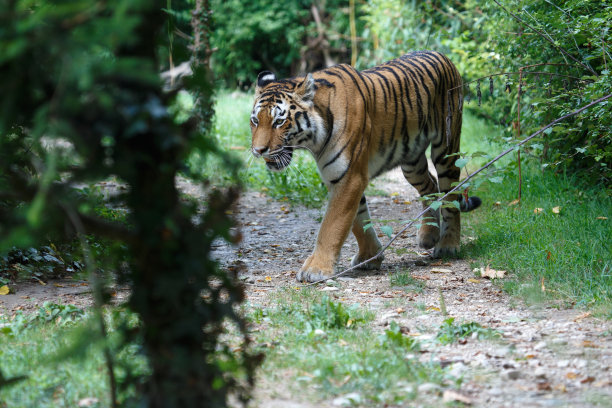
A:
<point x="358" y="125"/>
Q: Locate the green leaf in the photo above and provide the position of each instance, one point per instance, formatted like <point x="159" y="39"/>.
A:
<point x="435" y="205"/>
<point x="387" y="230"/>
<point x="461" y="162"/>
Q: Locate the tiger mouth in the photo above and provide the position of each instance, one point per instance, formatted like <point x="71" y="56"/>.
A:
<point x="280" y="160"/>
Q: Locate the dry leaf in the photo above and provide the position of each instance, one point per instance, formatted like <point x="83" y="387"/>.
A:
<point x="497" y="203"/>
<point x="268" y="279"/>
<point x="440" y="270"/>
<point x="542" y="285"/>
<point x="587" y="380"/>
<point x="602" y="218"/>
<point x="556" y="210"/>
<point x="492" y="273"/>
<point x="544" y="386"/>
<point x="394" y="194"/>
<point x="452" y="396"/>
<point x="515" y="202"/>
<point x="472" y="280"/>
<point x="4" y="290"/>
<point x="538" y="210"/>
<point x="582" y="316"/>
<point x="571" y="375"/>
<point x="437" y="309"/>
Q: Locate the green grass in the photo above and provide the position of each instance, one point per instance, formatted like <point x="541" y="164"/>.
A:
<point x="300" y="182"/>
<point x="60" y="355"/>
<point x="570" y="251"/>
<point x="317" y="360"/>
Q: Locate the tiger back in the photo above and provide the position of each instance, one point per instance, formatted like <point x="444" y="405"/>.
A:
<point x="358" y="125"/>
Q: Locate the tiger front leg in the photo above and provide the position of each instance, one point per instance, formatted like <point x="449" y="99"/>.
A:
<point x="341" y="211"/>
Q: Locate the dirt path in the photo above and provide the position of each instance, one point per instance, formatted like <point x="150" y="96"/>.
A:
<point x="546" y="358"/>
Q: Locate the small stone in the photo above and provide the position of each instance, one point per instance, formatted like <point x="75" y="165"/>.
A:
<point x="540" y="346"/>
<point x="347" y="400"/>
<point x="563" y="364"/>
<point x="540" y="373"/>
<point x="580" y="363"/>
<point x="428" y="388"/>
<point x="512" y="374"/>
<point x="320" y="333"/>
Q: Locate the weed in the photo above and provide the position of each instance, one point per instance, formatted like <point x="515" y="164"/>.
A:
<point x="405" y="280"/>
<point x="394" y="338"/>
<point x="450" y="332"/>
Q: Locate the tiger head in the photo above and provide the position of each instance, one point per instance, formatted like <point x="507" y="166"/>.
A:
<point x="283" y="118"/>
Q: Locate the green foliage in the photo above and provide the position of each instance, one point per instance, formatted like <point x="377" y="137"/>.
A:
<point x="565" y="51"/>
<point x="61" y="351"/>
<point x="328" y="314"/>
<point x="450" y="332"/>
<point x="82" y="103"/>
<point x="394" y="338"/>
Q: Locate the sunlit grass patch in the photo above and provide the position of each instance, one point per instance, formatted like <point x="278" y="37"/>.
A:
<point x="321" y="348"/>
<point x="59" y="352"/>
<point x="555" y="243"/>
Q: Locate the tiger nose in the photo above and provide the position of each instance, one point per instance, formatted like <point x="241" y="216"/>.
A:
<point x="260" y="150"/>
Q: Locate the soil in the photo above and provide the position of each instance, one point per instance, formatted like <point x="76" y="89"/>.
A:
<point x="547" y="356"/>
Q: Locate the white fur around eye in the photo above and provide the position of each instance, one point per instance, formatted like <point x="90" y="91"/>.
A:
<point x="254" y="121"/>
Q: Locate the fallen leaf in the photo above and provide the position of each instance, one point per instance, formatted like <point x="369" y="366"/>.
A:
<point x="492" y="273"/>
<point x="589" y="343"/>
<point x="472" y="280"/>
<point x="542" y="285"/>
<point x="497" y="203"/>
<point x="544" y="386"/>
<point x="400" y="310"/>
<point x="4" y="290"/>
<point x="514" y="202"/>
<point x="58" y="285"/>
<point x="538" y="210"/>
<point x="582" y="316"/>
<point x="560" y="387"/>
<point x="440" y="270"/>
<point x="587" y="380"/>
<point x="437" y="309"/>
<point x="602" y="218"/>
<point x="394" y="194"/>
<point x="556" y="210"/>
<point x="268" y="279"/>
<point x="229" y="212"/>
<point x="571" y="375"/>
<point x="452" y="396"/>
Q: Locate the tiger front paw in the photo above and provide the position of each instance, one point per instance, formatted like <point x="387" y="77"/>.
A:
<point x="314" y="270"/>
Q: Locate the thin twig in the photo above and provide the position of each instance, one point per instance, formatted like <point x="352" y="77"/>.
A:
<point x="496" y="158"/>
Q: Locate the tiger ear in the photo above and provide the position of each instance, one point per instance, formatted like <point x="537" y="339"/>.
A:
<point x="306" y="89"/>
<point x="264" y="78"/>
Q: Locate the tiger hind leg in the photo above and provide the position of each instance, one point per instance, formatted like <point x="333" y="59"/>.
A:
<point x="419" y="177"/>
<point x="368" y="242"/>
<point x="450" y="218"/>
